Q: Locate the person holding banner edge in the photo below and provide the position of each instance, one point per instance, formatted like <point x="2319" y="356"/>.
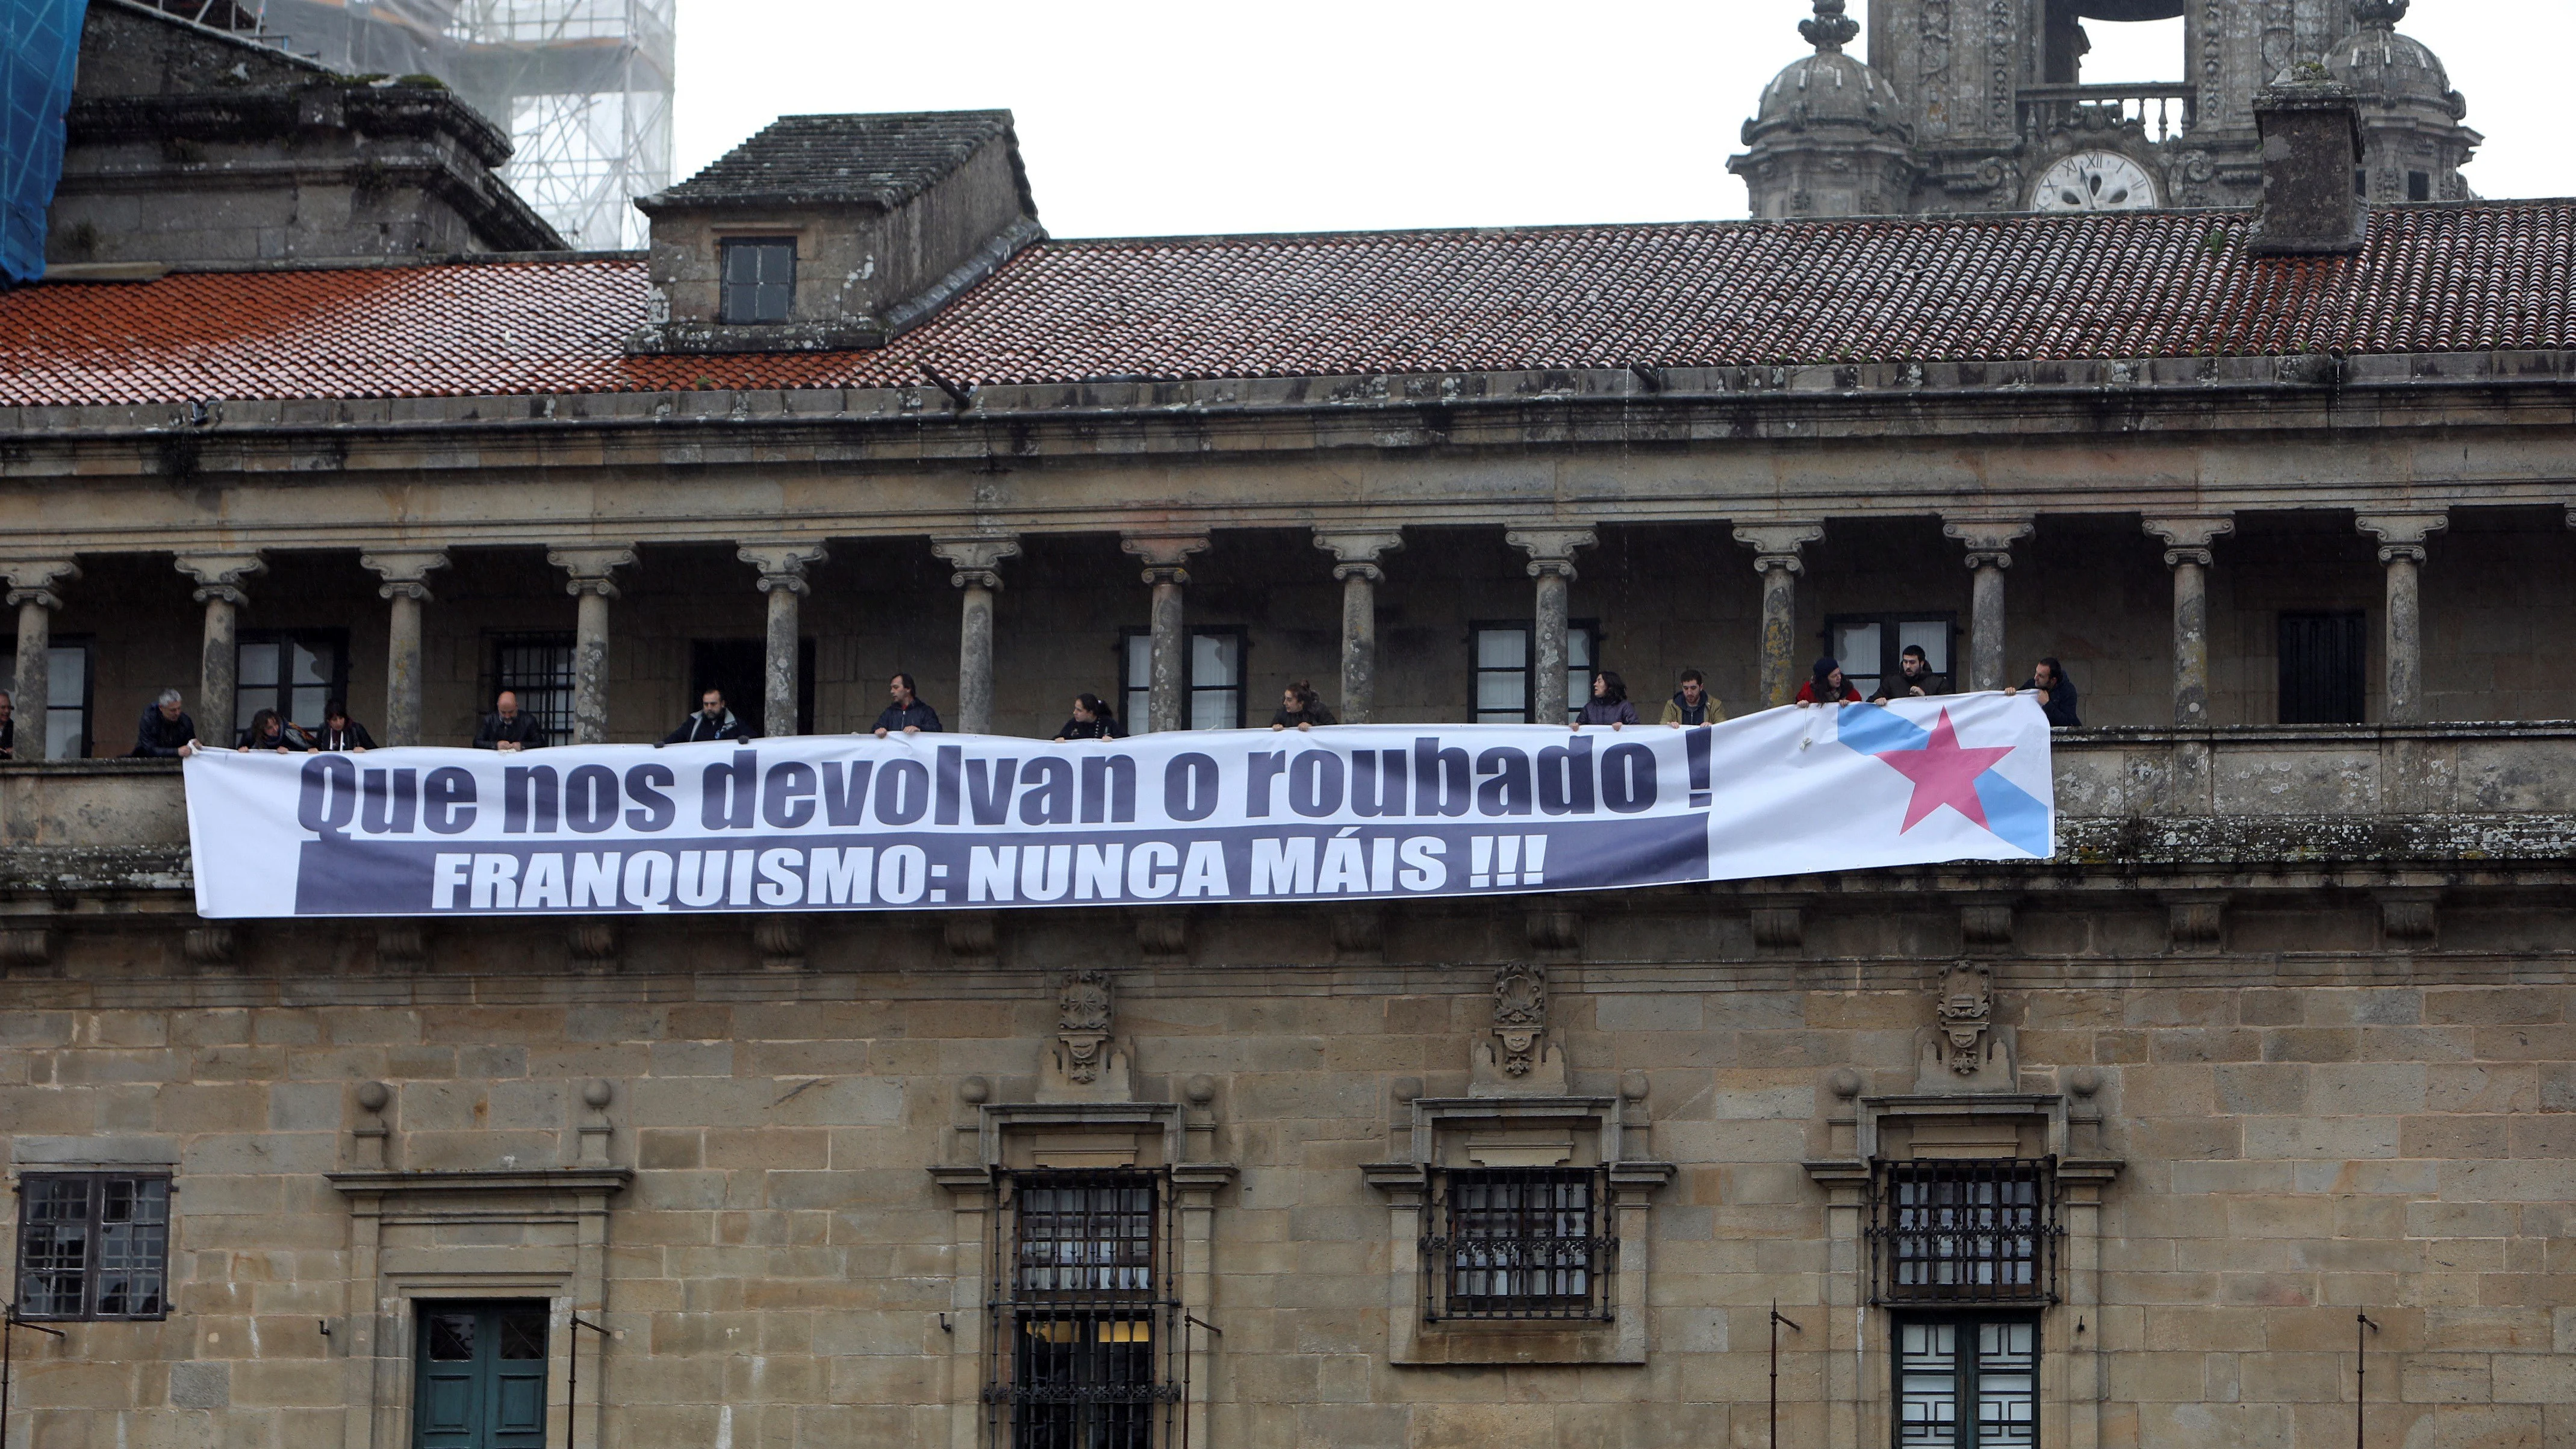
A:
<point x="907" y="714"/>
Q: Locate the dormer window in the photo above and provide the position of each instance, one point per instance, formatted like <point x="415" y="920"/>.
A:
<point x="759" y="278"/>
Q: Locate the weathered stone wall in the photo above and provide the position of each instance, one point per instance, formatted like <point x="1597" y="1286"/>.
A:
<point x="2299" y="1146"/>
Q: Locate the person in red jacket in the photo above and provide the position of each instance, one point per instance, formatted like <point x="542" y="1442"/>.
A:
<point x="1828" y="687"/>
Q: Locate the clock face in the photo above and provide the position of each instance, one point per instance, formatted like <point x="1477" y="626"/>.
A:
<point x="2094" y="181"/>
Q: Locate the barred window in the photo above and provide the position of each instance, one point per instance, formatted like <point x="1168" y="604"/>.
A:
<point x="1083" y="1349"/>
<point x="538" y="669"/>
<point x="1517" y="1243"/>
<point x="1967" y="1383"/>
<point x="93" y="1245"/>
<point x="1966" y="1231"/>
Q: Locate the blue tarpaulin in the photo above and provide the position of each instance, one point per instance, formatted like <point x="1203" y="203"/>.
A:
<point x="39" y="54"/>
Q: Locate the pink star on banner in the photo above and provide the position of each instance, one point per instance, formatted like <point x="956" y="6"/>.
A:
<point x="1943" y="774"/>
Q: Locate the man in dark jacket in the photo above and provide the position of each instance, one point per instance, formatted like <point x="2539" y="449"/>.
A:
<point x="165" y="732"/>
<point x="8" y="726"/>
<point x="1914" y="678"/>
<point x="712" y="722"/>
<point x="2056" y="693"/>
<point x="506" y="728"/>
<point x="907" y="714"/>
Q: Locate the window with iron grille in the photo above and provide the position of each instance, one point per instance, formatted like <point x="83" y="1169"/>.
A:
<point x="1969" y="1231"/>
<point x="759" y="279"/>
<point x="1083" y="1347"/>
<point x="2324" y="678"/>
<point x="93" y="1245"/>
<point x="1517" y="1243"/>
<point x="538" y="669"/>
<point x="1967" y="1383"/>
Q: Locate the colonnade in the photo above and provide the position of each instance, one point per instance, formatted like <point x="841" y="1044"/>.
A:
<point x="223" y="580"/>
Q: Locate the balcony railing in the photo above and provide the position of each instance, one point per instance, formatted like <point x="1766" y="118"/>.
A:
<point x="2164" y="109"/>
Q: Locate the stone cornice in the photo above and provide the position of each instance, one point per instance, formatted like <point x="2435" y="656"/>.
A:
<point x="444" y="1183"/>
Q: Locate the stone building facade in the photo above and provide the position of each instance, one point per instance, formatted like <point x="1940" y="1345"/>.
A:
<point x="2249" y="1118"/>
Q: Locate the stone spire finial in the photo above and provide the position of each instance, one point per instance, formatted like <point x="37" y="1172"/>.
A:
<point x="2380" y="14"/>
<point x="1831" y="30"/>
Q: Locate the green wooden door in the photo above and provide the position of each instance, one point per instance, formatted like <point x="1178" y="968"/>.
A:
<point x="482" y="1376"/>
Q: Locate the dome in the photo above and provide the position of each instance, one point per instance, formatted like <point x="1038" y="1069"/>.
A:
<point x="2378" y="64"/>
<point x="1827" y="88"/>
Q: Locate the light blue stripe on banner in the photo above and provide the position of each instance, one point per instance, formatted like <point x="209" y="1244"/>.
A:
<point x="1873" y="729"/>
<point x="2013" y="815"/>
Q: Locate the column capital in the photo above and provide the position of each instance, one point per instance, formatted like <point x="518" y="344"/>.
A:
<point x="2192" y="531"/>
<point x="781" y="565"/>
<point x="406" y="574"/>
<point x="2402" y="535"/>
<point x="1164" y="555"/>
<point x="975" y="557"/>
<point x="1355" y="554"/>
<point x="220" y="575"/>
<point x="592" y="568"/>
<point x="32" y="581"/>
<point x="1776" y="545"/>
<point x="2176" y="557"/>
<point x="1551" y="550"/>
<point x="1989" y="540"/>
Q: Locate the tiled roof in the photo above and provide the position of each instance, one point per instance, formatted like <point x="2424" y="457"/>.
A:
<point x="800" y="160"/>
<point x="2433" y="279"/>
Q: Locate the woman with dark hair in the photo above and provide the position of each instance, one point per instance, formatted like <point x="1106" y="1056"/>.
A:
<point x="1091" y="721"/>
<point x="1609" y="702"/>
<point x="268" y="732"/>
<point x="338" y="732"/>
<point x="2056" y="694"/>
<point x="1300" y="707"/>
<point x="1828" y="686"/>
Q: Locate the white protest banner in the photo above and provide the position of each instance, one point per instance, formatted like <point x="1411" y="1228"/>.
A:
<point x="932" y="821"/>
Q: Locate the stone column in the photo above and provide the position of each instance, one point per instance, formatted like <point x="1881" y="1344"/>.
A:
<point x="782" y="579"/>
<point x="1551" y="552"/>
<point x="1355" y="558"/>
<point x="31" y="591"/>
<point x="2401" y="550"/>
<point x="405" y="589"/>
<point x="975" y="559"/>
<point x="1989" y="542"/>
<point x="1775" y="556"/>
<point x="219" y="587"/>
<point x="2187" y="542"/>
<point x="591" y="583"/>
<point x="1163" y="559"/>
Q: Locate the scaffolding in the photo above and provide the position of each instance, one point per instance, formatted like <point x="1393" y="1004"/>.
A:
<point x="582" y="86"/>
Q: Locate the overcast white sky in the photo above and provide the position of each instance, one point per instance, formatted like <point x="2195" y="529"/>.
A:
<point x="1144" y="117"/>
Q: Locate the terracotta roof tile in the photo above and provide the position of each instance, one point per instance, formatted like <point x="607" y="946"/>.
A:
<point x="2162" y="284"/>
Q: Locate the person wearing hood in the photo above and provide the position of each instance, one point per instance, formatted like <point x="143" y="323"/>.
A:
<point x="1692" y="704"/>
<point x="711" y="722"/>
<point x="2056" y="693"/>
<point x="1828" y="686"/>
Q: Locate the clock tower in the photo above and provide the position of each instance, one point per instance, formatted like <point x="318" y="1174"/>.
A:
<point x="1983" y="106"/>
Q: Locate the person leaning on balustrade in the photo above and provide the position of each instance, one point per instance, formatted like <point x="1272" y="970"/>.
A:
<point x="1692" y="704"/>
<point x="1091" y="721"/>
<point x="165" y="732"/>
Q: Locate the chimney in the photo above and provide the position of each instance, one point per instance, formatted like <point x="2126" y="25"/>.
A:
<point x="2311" y="148"/>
